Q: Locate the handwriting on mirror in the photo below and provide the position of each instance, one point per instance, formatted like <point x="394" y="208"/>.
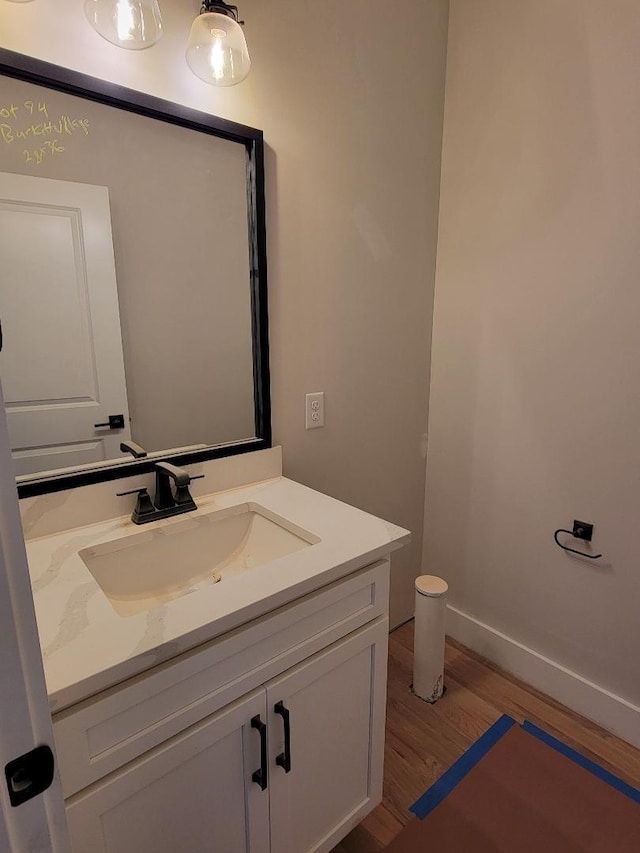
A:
<point x="29" y="122"/>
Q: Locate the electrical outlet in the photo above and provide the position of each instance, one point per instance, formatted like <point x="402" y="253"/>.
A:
<point x="314" y="410"/>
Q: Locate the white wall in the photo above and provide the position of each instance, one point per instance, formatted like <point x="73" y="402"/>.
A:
<point x="349" y="96"/>
<point x="535" y="384"/>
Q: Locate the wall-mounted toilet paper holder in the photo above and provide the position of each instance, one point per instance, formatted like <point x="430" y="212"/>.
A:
<point x="581" y="530"/>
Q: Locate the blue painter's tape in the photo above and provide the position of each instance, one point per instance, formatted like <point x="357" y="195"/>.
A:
<point x="434" y="795"/>
<point x="589" y="765"/>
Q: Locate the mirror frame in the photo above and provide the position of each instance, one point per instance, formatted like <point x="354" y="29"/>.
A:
<point x="30" y="70"/>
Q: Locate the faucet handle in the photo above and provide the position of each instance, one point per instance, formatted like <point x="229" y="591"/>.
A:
<point x="139" y="491"/>
<point x="144" y="506"/>
<point x="183" y="495"/>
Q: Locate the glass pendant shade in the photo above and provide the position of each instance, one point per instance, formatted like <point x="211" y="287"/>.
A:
<point x="217" y="50"/>
<point x="133" y="24"/>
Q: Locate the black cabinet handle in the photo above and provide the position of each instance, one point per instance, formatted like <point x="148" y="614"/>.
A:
<point x="260" y="776"/>
<point x="284" y="759"/>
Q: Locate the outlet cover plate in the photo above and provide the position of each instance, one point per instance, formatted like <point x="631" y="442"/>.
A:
<point x="314" y="410"/>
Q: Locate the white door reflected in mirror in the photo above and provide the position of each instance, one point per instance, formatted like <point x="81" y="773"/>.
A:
<point x="62" y="368"/>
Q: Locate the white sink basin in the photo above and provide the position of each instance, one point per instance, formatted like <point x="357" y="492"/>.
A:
<point x="146" y="569"/>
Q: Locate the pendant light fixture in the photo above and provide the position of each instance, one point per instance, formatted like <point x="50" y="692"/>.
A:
<point x="132" y="24"/>
<point x="217" y="49"/>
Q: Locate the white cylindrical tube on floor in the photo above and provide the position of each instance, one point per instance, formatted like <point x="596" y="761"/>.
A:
<point x="428" y="647"/>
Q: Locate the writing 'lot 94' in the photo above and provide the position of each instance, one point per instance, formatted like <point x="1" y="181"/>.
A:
<point x="19" y="123"/>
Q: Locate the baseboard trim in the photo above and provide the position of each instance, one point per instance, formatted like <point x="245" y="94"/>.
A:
<point x="614" y="713"/>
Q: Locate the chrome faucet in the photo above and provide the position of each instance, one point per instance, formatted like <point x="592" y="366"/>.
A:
<point x="166" y="502"/>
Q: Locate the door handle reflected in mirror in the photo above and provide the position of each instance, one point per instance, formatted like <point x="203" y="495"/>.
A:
<point x="114" y="422"/>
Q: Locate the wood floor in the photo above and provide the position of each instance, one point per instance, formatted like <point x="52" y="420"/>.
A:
<point x="424" y="740"/>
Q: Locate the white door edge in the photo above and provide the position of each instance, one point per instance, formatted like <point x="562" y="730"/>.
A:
<point x="38" y="825"/>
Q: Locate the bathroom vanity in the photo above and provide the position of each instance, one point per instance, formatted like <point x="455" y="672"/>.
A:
<point x="217" y="680"/>
<point x="237" y="705"/>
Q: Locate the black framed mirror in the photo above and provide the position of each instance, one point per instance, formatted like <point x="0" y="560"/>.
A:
<point x="133" y="298"/>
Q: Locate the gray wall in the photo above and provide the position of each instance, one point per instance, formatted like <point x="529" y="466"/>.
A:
<point x="535" y="384"/>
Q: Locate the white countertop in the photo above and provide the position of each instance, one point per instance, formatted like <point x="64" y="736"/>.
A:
<point x="87" y="646"/>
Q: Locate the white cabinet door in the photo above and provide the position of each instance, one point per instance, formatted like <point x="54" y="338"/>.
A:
<point x="193" y="794"/>
<point x="63" y="370"/>
<point x="335" y="704"/>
